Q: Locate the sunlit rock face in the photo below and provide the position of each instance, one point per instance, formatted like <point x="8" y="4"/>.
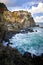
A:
<point x="15" y="20"/>
<point x="23" y="18"/>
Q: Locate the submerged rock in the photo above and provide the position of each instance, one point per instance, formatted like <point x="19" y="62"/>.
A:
<point x="35" y="30"/>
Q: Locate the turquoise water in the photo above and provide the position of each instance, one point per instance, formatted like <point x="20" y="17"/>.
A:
<point x="29" y="42"/>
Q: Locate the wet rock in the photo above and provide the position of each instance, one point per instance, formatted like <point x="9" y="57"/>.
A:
<point x="35" y="30"/>
<point x="36" y="25"/>
<point x="26" y="30"/>
<point x="28" y="57"/>
<point x="30" y="30"/>
<point x="27" y="54"/>
<point x="35" y="60"/>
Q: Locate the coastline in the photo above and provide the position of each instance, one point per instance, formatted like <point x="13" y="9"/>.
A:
<point x="25" y="59"/>
<point x="13" y="56"/>
<point x="21" y="39"/>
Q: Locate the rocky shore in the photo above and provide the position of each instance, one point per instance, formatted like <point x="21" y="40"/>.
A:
<point x="11" y="56"/>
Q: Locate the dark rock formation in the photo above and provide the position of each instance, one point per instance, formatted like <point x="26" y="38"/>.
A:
<point x="35" y="30"/>
<point x="35" y="60"/>
<point x="36" y="25"/>
<point x="29" y="29"/>
<point x="11" y="56"/>
<point x="27" y="56"/>
<point x="2" y="7"/>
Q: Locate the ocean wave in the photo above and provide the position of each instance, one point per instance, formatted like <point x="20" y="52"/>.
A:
<point x="29" y="42"/>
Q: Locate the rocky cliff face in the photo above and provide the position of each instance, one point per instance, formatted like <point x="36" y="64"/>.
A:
<point x="23" y="19"/>
<point x="15" y="20"/>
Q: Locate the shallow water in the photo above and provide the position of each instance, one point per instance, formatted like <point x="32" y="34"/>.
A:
<point x="29" y="42"/>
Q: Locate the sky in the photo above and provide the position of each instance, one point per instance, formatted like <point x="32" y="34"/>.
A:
<point x="33" y="6"/>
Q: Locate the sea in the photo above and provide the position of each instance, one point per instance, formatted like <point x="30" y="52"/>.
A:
<point x="28" y="42"/>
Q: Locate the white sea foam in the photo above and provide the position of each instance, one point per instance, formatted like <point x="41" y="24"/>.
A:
<point x="30" y="42"/>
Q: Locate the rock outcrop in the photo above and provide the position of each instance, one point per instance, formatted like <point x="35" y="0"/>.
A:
<point x="16" y="20"/>
<point x="11" y="56"/>
<point x="13" y="21"/>
<point x="23" y="19"/>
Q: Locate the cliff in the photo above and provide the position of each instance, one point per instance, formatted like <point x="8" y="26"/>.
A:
<point x="14" y="21"/>
<point x="19" y="19"/>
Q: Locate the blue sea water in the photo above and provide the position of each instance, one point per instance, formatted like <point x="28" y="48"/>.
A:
<point x="29" y="42"/>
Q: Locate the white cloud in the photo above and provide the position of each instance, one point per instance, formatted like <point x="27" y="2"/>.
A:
<point x="4" y="1"/>
<point x="38" y="19"/>
<point x="27" y="4"/>
<point x="9" y="2"/>
<point x="24" y="6"/>
<point x="38" y="9"/>
<point x="35" y="10"/>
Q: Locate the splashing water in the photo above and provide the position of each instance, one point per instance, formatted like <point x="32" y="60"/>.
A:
<point x="29" y="42"/>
